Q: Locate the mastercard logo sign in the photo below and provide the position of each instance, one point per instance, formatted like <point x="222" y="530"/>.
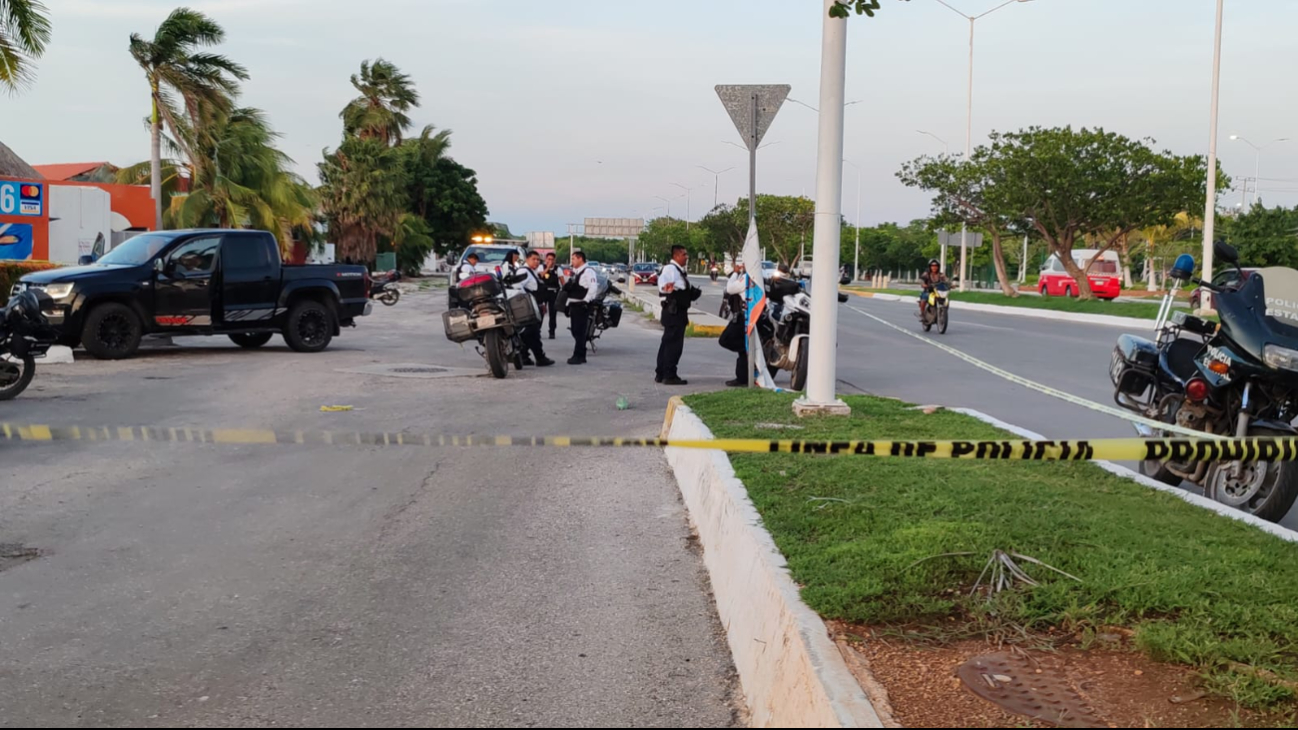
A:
<point x="30" y="191"/>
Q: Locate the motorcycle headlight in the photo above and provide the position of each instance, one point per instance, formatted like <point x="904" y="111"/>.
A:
<point x="59" y="291"/>
<point x="1280" y="358"/>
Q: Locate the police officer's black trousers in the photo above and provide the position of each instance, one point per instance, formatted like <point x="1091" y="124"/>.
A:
<point x="531" y="337"/>
<point x="579" y="316"/>
<point x="554" y="311"/>
<point x="673" y="345"/>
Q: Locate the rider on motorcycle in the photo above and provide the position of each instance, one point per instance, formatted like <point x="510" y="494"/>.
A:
<point x="929" y="279"/>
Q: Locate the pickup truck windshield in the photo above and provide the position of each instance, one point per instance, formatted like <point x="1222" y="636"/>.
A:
<point x="136" y="251"/>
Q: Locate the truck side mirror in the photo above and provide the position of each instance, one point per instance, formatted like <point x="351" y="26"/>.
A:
<point x="86" y="260"/>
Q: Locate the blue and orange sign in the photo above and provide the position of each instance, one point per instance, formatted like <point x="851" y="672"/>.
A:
<point x="22" y="198"/>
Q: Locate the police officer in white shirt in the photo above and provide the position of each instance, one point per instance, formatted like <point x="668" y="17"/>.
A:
<point x="582" y="289"/>
<point x="468" y="267"/>
<point x="531" y="335"/>
<point x="677" y="295"/>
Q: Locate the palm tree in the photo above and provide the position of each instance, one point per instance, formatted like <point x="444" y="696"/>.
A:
<point x="380" y="111"/>
<point x="174" y="65"/>
<point x="24" y="31"/>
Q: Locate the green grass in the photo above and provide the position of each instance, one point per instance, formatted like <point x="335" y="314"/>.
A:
<point x="1196" y="588"/>
<point x="1141" y="310"/>
<point x="692" y="331"/>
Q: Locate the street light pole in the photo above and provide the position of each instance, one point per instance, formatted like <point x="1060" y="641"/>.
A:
<point x="947" y="152"/>
<point x="689" y="199"/>
<point x="820" y="397"/>
<point x="856" y="261"/>
<point x="716" y="181"/>
<point x="968" y="148"/>
<point x="1210" y="206"/>
<point x="1257" y="165"/>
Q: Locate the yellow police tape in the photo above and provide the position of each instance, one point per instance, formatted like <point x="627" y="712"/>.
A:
<point x="1176" y="449"/>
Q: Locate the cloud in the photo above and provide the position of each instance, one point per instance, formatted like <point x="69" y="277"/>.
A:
<point x="156" y="11"/>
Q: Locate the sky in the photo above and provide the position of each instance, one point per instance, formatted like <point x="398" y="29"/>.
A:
<point x="570" y="109"/>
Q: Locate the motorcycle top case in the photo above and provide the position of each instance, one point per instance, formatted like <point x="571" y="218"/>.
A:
<point x="457" y="324"/>
<point x="485" y="287"/>
<point x="523" y="310"/>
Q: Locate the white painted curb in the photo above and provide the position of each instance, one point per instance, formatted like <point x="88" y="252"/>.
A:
<point x="653" y="307"/>
<point x="1107" y="320"/>
<point x="791" y="671"/>
<point x="1197" y="500"/>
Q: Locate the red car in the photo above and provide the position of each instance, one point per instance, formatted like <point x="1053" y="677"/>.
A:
<point x="645" y="273"/>
<point x="1104" y="277"/>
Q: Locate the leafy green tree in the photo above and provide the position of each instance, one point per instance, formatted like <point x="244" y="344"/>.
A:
<point x="784" y="225"/>
<point x="1266" y="236"/>
<point x="1065" y="185"/>
<point x="363" y="195"/>
<point x="844" y="8"/>
<point x="445" y="195"/>
<point x="175" y="65"/>
<point x="382" y="110"/>
<point x="24" y="32"/>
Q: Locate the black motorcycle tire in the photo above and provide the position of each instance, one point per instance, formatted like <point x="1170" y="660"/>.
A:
<point x="800" y="369"/>
<point x="390" y="297"/>
<point x="493" y="341"/>
<point x="928" y="323"/>
<point x="27" y="365"/>
<point x="941" y="321"/>
<point x="1284" y="488"/>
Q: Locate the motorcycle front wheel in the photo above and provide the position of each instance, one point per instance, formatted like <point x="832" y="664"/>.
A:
<point x="390" y="297"/>
<point x="493" y="341"/>
<point x="15" y="375"/>
<point x="941" y="321"/>
<point x="1263" y="489"/>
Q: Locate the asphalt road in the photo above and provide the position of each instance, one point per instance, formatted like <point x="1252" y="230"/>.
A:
<point x="1069" y="356"/>
<point x="193" y="585"/>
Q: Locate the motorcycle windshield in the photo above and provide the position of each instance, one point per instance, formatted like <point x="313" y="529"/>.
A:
<point x="1264" y="310"/>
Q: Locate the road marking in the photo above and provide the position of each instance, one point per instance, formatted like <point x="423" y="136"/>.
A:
<point x="1041" y="388"/>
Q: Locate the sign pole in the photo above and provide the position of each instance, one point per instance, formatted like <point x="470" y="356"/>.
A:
<point x="752" y="218"/>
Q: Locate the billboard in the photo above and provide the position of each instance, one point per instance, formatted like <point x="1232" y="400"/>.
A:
<point x="22" y="198"/>
<point x="614" y="227"/>
<point x="540" y="240"/>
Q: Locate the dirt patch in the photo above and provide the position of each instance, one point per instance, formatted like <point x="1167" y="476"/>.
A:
<point x="917" y="685"/>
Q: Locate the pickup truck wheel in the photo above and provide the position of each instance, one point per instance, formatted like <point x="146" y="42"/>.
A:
<point x="251" y="341"/>
<point x="112" y="332"/>
<point x="310" y="327"/>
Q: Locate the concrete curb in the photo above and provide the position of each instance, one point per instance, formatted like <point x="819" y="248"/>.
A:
<point x="1197" y="500"/>
<point x="58" y="355"/>
<point x="1107" y="320"/>
<point x="790" y="669"/>
<point x="700" y="319"/>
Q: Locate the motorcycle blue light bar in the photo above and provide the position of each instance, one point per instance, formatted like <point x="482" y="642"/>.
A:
<point x="1184" y="267"/>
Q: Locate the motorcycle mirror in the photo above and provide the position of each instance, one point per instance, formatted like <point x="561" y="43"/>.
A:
<point x="1183" y="269"/>
<point x="86" y="260"/>
<point x="1225" y="252"/>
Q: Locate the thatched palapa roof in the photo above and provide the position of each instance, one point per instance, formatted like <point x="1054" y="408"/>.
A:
<point x="11" y="165"/>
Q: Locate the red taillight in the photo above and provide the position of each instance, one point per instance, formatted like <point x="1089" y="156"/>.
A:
<point x="1197" y="390"/>
<point x="474" y="281"/>
<point x="369" y="284"/>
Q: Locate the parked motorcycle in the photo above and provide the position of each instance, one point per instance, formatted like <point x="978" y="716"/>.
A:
<point x="385" y="290"/>
<point x="785" y="328"/>
<point x="604" y="314"/>
<point x="25" y="337"/>
<point x="494" y="315"/>
<point x="937" y="307"/>
<point x="1237" y="379"/>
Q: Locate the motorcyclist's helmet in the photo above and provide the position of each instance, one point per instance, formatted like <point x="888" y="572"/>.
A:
<point x="933" y="262"/>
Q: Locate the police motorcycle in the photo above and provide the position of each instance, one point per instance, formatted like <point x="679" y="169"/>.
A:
<point x="604" y="314"/>
<point x="785" y="328"/>
<point x="1236" y="379"/>
<point x="25" y="337"/>
<point x="488" y="309"/>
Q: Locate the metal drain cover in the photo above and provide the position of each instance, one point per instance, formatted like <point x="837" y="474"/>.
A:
<point x="414" y="370"/>
<point x="418" y="370"/>
<point x="12" y="554"/>
<point x="1010" y="681"/>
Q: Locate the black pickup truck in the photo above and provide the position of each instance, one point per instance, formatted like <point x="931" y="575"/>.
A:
<point x="201" y="282"/>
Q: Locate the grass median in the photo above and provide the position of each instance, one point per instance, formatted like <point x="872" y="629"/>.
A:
<point x="1140" y="310"/>
<point x="901" y="544"/>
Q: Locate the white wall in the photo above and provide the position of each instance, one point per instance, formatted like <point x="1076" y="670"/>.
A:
<point x="78" y="215"/>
